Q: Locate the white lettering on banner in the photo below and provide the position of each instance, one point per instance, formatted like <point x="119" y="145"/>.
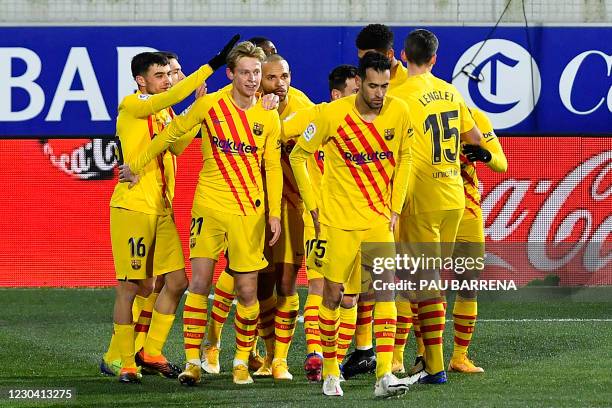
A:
<point x="499" y="229"/>
<point x="78" y="62"/>
<point x="88" y="161"/>
<point x="125" y="82"/>
<point x="566" y="82"/>
<point x="26" y="82"/>
<point x="541" y="231"/>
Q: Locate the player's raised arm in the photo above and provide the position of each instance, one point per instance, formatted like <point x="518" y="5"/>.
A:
<point x="470" y="133"/>
<point x="403" y="170"/>
<point x="143" y="105"/>
<point x="490" y="150"/>
<point x="181" y="125"/>
<point x="182" y="142"/>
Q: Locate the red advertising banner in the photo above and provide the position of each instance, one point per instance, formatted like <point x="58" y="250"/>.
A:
<point x="55" y="221"/>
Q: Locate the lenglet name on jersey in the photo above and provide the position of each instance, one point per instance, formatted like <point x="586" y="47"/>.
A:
<point x="361" y="157"/>
<point x="231" y="146"/>
<point x="444" y="174"/>
<point x="432" y="96"/>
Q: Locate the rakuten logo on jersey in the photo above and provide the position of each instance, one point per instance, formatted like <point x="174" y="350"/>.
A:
<point x="499" y="81"/>
<point x="364" y="158"/>
<point x="229" y="146"/>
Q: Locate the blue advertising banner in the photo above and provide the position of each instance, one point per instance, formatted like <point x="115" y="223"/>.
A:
<point x="67" y="81"/>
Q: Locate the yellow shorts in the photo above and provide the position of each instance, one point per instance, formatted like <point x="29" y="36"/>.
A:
<point x="242" y="236"/>
<point x="339" y="256"/>
<point x="290" y="246"/>
<point x="470" y="236"/>
<point x="422" y="230"/>
<point x="353" y="286"/>
<point x="144" y="245"/>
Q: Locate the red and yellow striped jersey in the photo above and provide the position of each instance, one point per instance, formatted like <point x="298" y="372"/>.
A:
<point x="140" y="118"/>
<point x="291" y="194"/>
<point x="498" y="162"/>
<point x="439" y="115"/>
<point x="361" y="160"/>
<point x="235" y="142"/>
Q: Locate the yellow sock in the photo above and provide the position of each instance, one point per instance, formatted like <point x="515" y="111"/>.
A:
<point x="144" y="321"/>
<point x="265" y="326"/>
<point x="112" y="353"/>
<point x="311" y="324"/>
<point x="194" y="324"/>
<point x="346" y="329"/>
<point x="137" y="306"/>
<point x="464" y="317"/>
<point x="328" y="327"/>
<point x="158" y="333"/>
<point x="284" y="323"/>
<point x="125" y="343"/>
<point x="432" y="320"/>
<point x="416" y="325"/>
<point x="363" y="331"/>
<point x="245" y="324"/>
<point x="222" y="303"/>
<point x="385" y="316"/>
<point x="404" y="324"/>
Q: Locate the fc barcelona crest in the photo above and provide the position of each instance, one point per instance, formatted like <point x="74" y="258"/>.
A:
<point x="258" y="128"/>
<point x="192" y="242"/>
<point x="389" y="134"/>
<point x="136" y="264"/>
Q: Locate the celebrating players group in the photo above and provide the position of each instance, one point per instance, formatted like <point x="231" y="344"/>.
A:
<point x="389" y="163"/>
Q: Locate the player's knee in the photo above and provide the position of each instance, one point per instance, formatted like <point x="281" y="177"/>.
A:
<point x="315" y="286"/>
<point x="199" y="285"/>
<point x="332" y="295"/>
<point x="177" y="282"/>
<point x="349" y="301"/>
<point x="247" y="296"/>
<point x="467" y="294"/>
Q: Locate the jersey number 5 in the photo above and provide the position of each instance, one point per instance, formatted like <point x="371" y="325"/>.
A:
<point x="443" y="134"/>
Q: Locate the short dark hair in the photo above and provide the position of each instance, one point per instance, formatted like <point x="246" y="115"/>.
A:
<point x="259" y="40"/>
<point x="420" y="46"/>
<point x="141" y="62"/>
<point x="168" y="54"/>
<point x="375" y="37"/>
<point x="374" y="60"/>
<point x="339" y="75"/>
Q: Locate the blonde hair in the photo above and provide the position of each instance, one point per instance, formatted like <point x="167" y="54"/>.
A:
<point x="244" y="49"/>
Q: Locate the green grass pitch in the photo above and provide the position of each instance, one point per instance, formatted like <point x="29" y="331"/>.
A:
<point x="554" y="352"/>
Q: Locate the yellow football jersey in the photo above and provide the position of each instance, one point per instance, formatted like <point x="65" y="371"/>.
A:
<point x="398" y="75"/>
<point x="439" y="115"/>
<point x="291" y="194"/>
<point x="361" y="161"/>
<point x="234" y="144"/>
<point x="498" y="161"/>
<point x="293" y="127"/>
<point x="139" y="119"/>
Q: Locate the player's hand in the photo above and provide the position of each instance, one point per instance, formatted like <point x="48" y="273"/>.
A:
<point x="201" y="91"/>
<point x="126" y="175"/>
<point x="476" y="153"/>
<point x="218" y="60"/>
<point x="393" y="222"/>
<point x="315" y="220"/>
<point x="270" y="101"/>
<point x="275" y="227"/>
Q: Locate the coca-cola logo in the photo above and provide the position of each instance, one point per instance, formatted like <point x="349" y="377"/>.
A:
<point x="91" y="160"/>
<point x="571" y="220"/>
